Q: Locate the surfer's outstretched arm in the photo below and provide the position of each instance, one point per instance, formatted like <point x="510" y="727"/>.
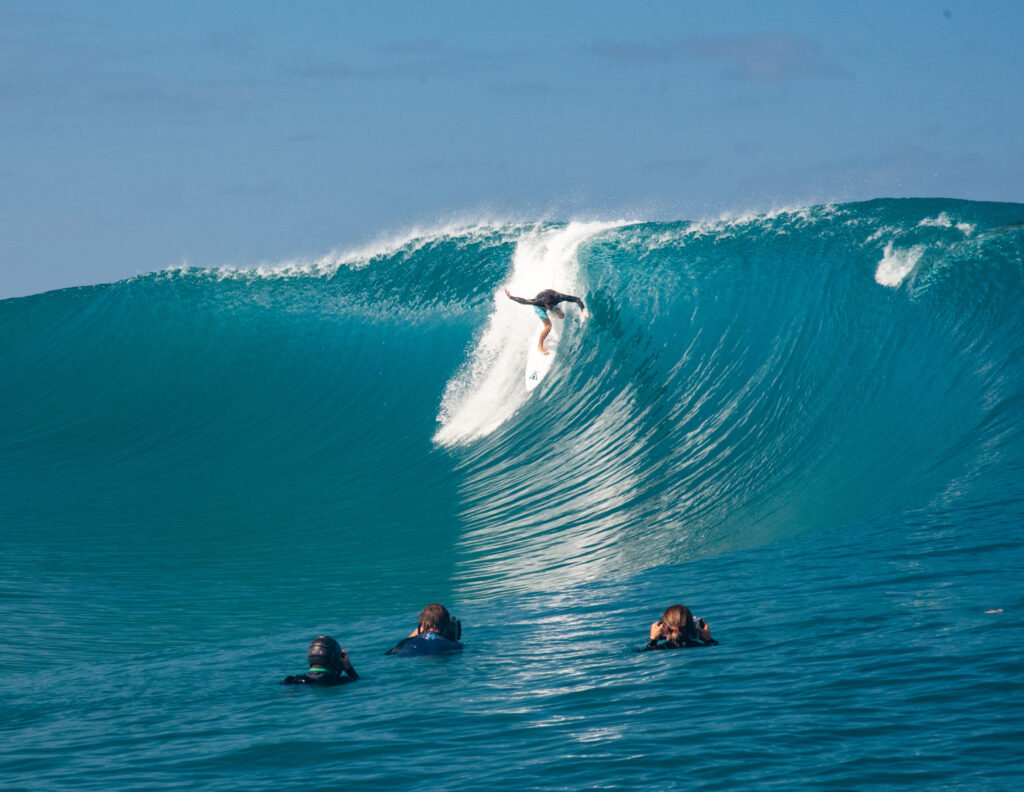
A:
<point x="522" y="300"/>
<point x="577" y="300"/>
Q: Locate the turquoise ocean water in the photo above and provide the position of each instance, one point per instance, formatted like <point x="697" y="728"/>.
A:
<point x="807" y="426"/>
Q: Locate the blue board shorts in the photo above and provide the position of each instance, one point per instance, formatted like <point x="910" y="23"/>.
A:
<point x="540" y="312"/>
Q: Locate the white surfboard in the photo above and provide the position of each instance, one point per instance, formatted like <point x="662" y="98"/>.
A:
<point x="537" y="363"/>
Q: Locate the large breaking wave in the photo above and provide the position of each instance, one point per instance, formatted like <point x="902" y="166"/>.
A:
<point x="740" y="381"/>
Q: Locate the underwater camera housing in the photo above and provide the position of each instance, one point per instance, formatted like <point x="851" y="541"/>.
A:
<point x="452" y="630"/>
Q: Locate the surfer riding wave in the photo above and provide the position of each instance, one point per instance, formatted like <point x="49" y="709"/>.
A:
<point x="547" y="301"/>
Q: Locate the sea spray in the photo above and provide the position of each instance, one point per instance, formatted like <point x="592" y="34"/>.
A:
<point x="487" y="390"/>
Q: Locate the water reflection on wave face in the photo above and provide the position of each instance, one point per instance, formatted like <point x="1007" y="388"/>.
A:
<point x="554" y="512"/>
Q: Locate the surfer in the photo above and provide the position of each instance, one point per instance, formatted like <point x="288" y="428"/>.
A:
<point x="328" y="665"/>
<point x="677" y="628"/>
<point x="545" y="301"/>
<point x="436" y="631"/>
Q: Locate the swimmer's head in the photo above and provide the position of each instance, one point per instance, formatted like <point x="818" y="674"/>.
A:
<point x="678" y="618"/>
<point x="435" y="618"/>
<point x="325" y="652"/>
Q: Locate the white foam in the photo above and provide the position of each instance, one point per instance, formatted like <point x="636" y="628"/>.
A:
<point x="409" y="242"/>
<point x="896" y="265"/>
<point x="488" y="389"/>
<point x="881" y="232"/>
<point x="944" y="221"/>
<point x="729" y="224"/>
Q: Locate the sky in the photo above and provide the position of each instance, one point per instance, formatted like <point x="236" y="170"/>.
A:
<point x="140" y="136"/>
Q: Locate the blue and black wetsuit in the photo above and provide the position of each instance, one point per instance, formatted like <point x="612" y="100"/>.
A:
<point x="428" y="643"/>
<point x="322" y="677"/>
<point x="547" y="299"/>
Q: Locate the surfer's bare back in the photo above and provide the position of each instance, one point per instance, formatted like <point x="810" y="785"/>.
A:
<point x="545" y="301"/>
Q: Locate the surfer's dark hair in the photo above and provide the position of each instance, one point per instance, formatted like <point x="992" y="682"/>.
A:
<point x="435" y="618"/>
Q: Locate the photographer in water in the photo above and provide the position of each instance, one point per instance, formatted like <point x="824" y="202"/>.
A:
<point x="328" y="665"/>
<point x="677" y="629"/>
<point x="436" y="632"/>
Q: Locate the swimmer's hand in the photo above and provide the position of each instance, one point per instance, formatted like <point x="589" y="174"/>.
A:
<point x="346" y="665"/>
<point x="585" y="314"/>
<point x="507" y="292"/>
<point x="657" y="630"/>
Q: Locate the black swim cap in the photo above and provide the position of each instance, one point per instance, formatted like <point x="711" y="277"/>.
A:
<point x="325" y="652"/>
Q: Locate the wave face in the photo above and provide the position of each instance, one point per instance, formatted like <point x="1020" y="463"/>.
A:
<point x="739" y="381"/>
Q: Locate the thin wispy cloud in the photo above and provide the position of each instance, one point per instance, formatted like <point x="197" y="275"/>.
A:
<point x="767" y="58"/>
<point x="418" y="58"/>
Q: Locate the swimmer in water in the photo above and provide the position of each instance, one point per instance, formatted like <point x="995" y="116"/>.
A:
<point x="328" y="665"/>
<point x="677" y="629"/>
<point x="436" y="631"/>
<point x="544" y="302"/>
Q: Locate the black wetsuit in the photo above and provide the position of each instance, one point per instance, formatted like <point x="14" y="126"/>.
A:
<point x="321" y="678"/>
<point x="549" y="298"/>
<point x="680" y="641"/>
<point x="653" y="646"/>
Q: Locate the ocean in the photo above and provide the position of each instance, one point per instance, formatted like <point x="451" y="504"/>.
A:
<point x="807" y="426"/>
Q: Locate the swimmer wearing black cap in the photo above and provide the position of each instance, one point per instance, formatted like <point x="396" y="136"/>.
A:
<point x="328" y="665"/>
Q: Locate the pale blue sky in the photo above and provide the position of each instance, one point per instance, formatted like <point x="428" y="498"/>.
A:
<point x="137" y="136"/>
